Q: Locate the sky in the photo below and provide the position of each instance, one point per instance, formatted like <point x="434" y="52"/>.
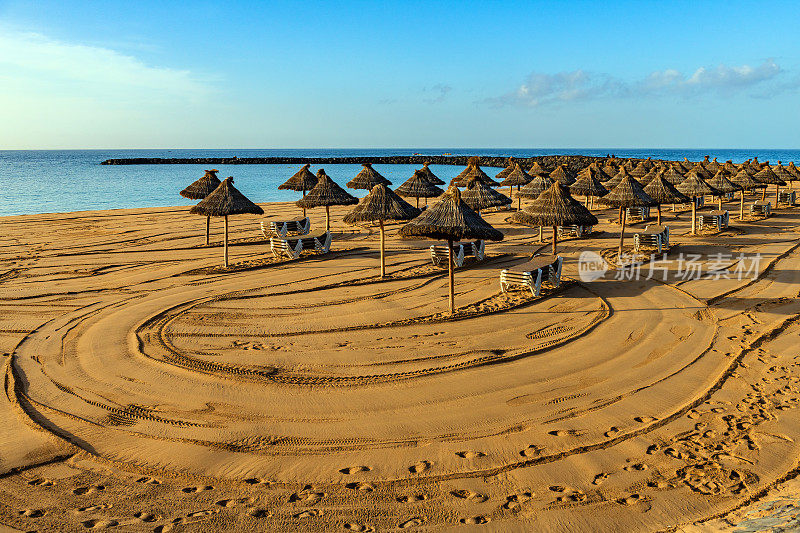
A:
<point x="366" y="74"/>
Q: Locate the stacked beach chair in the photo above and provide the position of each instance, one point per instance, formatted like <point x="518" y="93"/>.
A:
<point x="652" y="237"/>
<point x="540" y="269"/>
<point x="476" y="249"/>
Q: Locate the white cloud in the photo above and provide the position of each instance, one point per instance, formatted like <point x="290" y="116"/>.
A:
<point x="542" y="88"/>
<point x="41" y="60"/>
<point x="441" y="92"/>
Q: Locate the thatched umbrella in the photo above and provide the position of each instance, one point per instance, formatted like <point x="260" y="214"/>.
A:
<point x="562" y="175"/>
<point x="745" y="182"/>
<point x="639" y="170"/>
<point x="599" y="173"/>
<point x="382" y="204"/>
<point x="479" y="196"/>
<point x="722" y="185"/>
<point x="610" y="169"/>
<point x="223" y="201"/>
<point x="713" y="166"/>
<point x="650" y="176"/>
<point x="473" y="170"/>
<point x="629" y="193"/>
<point x="784" y="173"/>
<point x="617" y="179"/>
<point x="663" y="192"/>
<point x="674" y="175"/>
<point x="303" y="180"/>
<point x="418" y="186"/>
<point x="326" y="193"/>
<point x="555" y="207"/>
<point x="535" y="187"/>
<point x="367" y="178"/>
<point x="588" y="185"/>
<point x="767" y="177"/>
<point x="450" y="219"/>
<point x="694" y="186"/>
<point x="517" y="177"/>
<point x="794" y="170"/>
<point x="433" y="178"/>
<point x="199" y="190"/>
<point x="537" y="170"/>
<point x="686" y="165"/>
<point x="506" y="171"/>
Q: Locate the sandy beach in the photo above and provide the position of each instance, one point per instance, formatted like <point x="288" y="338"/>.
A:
<point x="146" y="390"/>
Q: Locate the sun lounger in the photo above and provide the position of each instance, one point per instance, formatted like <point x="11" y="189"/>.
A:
<point x="460" y="251"/>
<point x="291" y="247"/>
<point x="638" y="213"/>
<point x="653" y="236"/>
<point x="716" y="218"/>
<point x="540" y="269"/>
<point x="761" y="208"/>
<point x="788" y="197"/>
<point x="282" y="228"/>
<point x="576" y="231"/>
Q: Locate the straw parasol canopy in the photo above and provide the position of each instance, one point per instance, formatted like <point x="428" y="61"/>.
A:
<point x="367" y="178"/>
<point x="768" y="177"/>
<point x="302" y="180"/>
<point x="783" y="173"/>
<point x="199" y="190"/>
<point x="430" y="175"/>
<point x="745" y="182"/>
<point x="713" y="166"/>
<point x="473" y="170"/>
<point x="223" y="201"/>
<point x="506" y="171"/>
<point x="722" y="185"/>
<point x="450" y="219"/>
<point x="617" y="179"/>
<point x="479" y="196"/>
<point x="562" y="175"/>
<point x="686" y="165"/>
<point x="588" y="185"/>
<point x="537" y="170"/>
<point x="639" y="170"/>
<point x="599" y="173"/>
<point x="663" y="192"/>
<point x="794" y="170"/>
<point x="382" y="204"/>
<point x="610" y="169"/>
<point x="650" y="176"/>
<point x="517" y="177"/>
<point x="694" y="186"/>
<point x="555" y="207"/>
<point x="674" y="175"/>
<point x="535" y="187"/>
<point x="418" y="186"/>
<point x="629" y="193"/>
<point x="326" y="193"/>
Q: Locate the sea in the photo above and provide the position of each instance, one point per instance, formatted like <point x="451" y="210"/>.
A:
<point x="56" y="181"/>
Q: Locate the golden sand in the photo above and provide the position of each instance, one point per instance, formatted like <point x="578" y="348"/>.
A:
<point x="147" y="390"/>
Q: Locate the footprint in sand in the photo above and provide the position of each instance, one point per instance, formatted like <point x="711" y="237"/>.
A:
<point x="532" y="451"/>
<point x="96" y="523"/>
<point x="354" y="526"/>
<point x="146" y="517"/>
<point x="637" y="466"/>
<point x="41" y="483"/>
<point x="363" y="487"/>
<point x="199" y="488"/>
<point x="611" y="432"/>
<point x="412" y="498"/>
<point x="657" y="484"/>
<point x="256" y="512"/>
<point x="308" y="514"/>
<point x="412" y="522"/>
<point x="307" y="496"/>
<point x="474" y="520"/>
<point x="205" y="512"/>
<point x="558" y="488"/>
<point x="464" y="494"/>
<point x="95" y="507"/>
<point x="234" y="502"/>
<point x="645" y="419"/>
<point x="470" y="454"/>
<point x="566" y="432"/>
<point x="256" y="481"/>
<point x="31" y="513"/>
<point x="515" y="501"/>
<point x="355" y="469"/>
<point x="148" y="481"/>
<point x="630" y="500"/>
<point x="599" y="478"/>
<point x="80" y="491"/>
<point x="422" y="466"/>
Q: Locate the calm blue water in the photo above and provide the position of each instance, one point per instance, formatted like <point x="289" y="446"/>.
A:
<point x="48" y="181"/>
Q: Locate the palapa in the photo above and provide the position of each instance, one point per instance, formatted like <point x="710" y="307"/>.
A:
<point x="629" y="193"/>
<point x="713" y="166"/>
<point x="650" y="176"/>
<point x="433" y="178"/>
<point x="639" y="170"/>
<point x="595" y="169"/>
<point x="663" y="192"/>
<point x="418" y="186"/>
<point x="722" y="185"/>
<point x="199" y="190"/>
<point x="506" y="171"/>
<point x="479" y="196"/>
<point x="382" y="204"/>
<point x="617" y="179"/>
<point x="794" y="170"/>
<point x="473" y="170"/>
<point x="517" y="177"/>
<point x="694" y="186"/>
<point x="588" y="185"/>
<point x="223" y="201"/>
<point x="562" y="175"/>
<point x="302" y="180"/>
<point x="783" y="173"/>
<point x="555" y="207"/>
<point x="450" y="219"/>
<point x="536" y="170"/>
<point x="745" y="182"/>
<point x="326" y="193"/>
<point x="767" y="177"/>
<point x="674" y="175"/>
<point x="367" y="178"/>
<point x="535" y="187"/>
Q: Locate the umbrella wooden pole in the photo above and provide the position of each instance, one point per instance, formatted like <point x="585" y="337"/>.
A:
<point x="694" y="215"/>
<point x="555" y="240"/>
<point x="327" y="218"/>
<point x="304" y="209"/>
<point x="720" y="202"/>
<point x="540" y="234"/>
<point x="417" y="204"/>
<point x="741" y="205"/>
<point x="450" y="268"/>
<point x="777" y="194"/>
<point x="764" y="193"/>
<point x="225" y="253"/>
<point x="619" y="219"/>
<point x="622" y="235"/>
<point x="658" y="223"/>
<point x="383" y="248"/>
<point x="208" y="230"/>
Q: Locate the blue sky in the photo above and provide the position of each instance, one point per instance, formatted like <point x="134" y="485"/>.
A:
<point x="406" y="74"/>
